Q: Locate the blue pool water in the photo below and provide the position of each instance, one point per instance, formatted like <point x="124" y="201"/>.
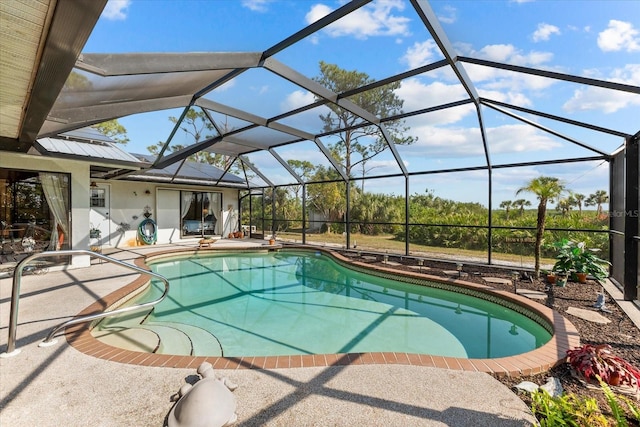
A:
<point x="303" y="302"/>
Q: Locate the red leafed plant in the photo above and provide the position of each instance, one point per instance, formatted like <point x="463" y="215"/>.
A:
<point x="592" y="361"/>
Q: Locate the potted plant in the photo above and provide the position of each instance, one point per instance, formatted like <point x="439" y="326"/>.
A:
<point x="551" y="277"/>
<point x="94" y="233"/>
<point x="561" y="279"/>
<point x="575" y="257"/>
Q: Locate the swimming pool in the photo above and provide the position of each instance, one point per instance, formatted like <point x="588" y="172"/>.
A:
<point x="304" y="302"/>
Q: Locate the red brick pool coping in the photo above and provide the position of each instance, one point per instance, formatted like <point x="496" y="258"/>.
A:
<point x="565" y="337"/>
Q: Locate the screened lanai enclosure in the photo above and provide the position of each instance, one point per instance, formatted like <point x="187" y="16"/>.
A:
<point x="424" y="148"/>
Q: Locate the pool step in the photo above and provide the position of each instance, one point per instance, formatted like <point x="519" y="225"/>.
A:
<point x="166" y="338"/>
<point x="172" y="340"/>
<point x="203" y="342"/>
<point x="134" y="339"/>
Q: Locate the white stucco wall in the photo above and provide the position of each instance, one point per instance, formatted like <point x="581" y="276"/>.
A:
<point x="127" y="202"/>
<point x="129" y="198"/>
<point x="79" y="192"/>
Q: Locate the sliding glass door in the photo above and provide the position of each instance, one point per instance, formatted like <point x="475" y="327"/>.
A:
<point x="34" y="213"/>
<point x="200" y="213"/>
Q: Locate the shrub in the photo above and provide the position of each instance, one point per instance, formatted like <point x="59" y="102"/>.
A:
<point x="592" y="362"/>
<point x="617" y="410"/>
<point x="566" y="410"/>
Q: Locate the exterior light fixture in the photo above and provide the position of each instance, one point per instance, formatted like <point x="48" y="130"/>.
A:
<point x="93" y="184"/>
<point x="515" y="276"/>
<point x="459" y="268"/>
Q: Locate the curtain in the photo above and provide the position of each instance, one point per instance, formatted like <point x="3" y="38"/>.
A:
<point x="214" y="205"/>
<point x="56" y="190"/>
<point x="186" y="203"/>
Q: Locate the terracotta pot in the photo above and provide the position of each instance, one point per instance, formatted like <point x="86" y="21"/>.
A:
<point x="272" y="241"/>
<point x="582" y="277"/>
<point x="614" y="378"/>
<point x="551" y="279"/>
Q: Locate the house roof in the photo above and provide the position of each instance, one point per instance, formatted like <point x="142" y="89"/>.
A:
<point x="186" y="173"/>
<point x="88" y="144"/>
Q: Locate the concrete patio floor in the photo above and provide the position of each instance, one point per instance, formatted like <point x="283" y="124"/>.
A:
<point x="60" y="385"/>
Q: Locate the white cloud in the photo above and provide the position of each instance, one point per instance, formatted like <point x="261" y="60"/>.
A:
<point x="466" y="142"/>
<point x="519" y="138"/>
<point x="116" y="10"/>
<point x="619" y="36"/>
<point x="607" y="101"/>
<point x="226" y="85"/>
<point x="307" y="120"/>
<point x="450" y="17"/>
<point x="544" y="32"/>
<point x="372" y="20"/>
<point x="494" y="79"/>
<point x="420" y="54"/>
<point x="509" y="53"/>
<point x="417" y="96"/>
<point x="297" y="99"/>
<point x="256" y="5"/>
<point x="514" y="98"/>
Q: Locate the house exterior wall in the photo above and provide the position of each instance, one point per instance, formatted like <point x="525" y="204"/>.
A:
<point x="79" y="172"/>
<point x="127" y="200"/>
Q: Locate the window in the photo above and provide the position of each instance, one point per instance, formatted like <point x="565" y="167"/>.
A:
<point x="97" y="198"/>
<point x="200" y="213"/>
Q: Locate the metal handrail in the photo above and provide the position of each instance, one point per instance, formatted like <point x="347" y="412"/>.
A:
<point x="15" y="294"/>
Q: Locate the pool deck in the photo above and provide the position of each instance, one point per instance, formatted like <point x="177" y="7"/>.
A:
<point x="81" y="381"/>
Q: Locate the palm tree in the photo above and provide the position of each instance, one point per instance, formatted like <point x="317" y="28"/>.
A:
<point x="545" y="188"/>
<point x="564" y="206"/>
<point x="506" y="205"/>
<point x="579" y="199"/>
<point x="597" y="199"/>
<point x="521" y="203"/>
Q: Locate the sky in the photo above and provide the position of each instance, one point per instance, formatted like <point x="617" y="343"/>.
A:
<point x="596" y="39"/>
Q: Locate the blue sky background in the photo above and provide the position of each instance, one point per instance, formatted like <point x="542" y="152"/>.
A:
<point x="598" y="39"/>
